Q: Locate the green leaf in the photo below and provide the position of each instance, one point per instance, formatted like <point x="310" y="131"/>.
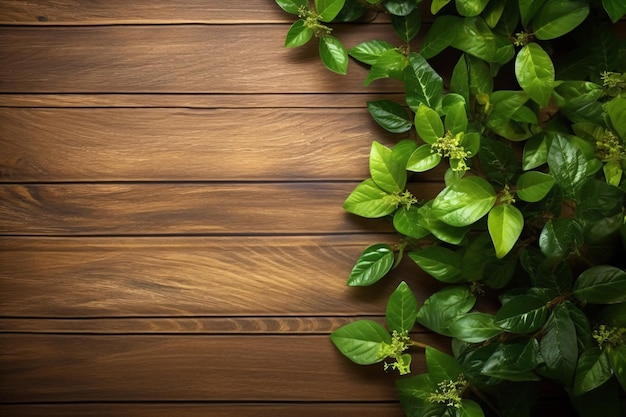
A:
<point x="407" y="26"/>
<point x="328" y="9"/>
<point x="558" y="17"/>
<point x="528" y="9"/>
<point x="391" y="64"/>
<point x="422" y="83"/>
<point x="476" y="38"/>
<point x="517" y="399"/>
<point x="603" y="401"/>
<point x="523" y="314"/>
<point x="437" y="5"/>
<point x="465" y="201"/>
<point x="471" y="7"/>
<point x="535" y="73"/>
<point x="494" y="12"/>
<point x="298" y="34"/>
<point x="361" y="341"/>
<point x="568" y="165"/>
<point x="617" y="359"/>
<point x="480" y="79"/>
<point x="414" y="393"/>
<point x="560" y="237"/>
<point x="441" y="263"/>
<point x="387" y="172"/>
<point x="369" y="200"/>
<point x="474" y="327"/>
<point x="439" y="229"/>
<point x="533" y="186"/>
<point x="441" y="366"/>
<point x="333" y="54"/>
<point x="403" y="150"/>
<point x="535" y="152"/>
<point x="373" y="264"/>
<point x="406" y="221"/>
<point x="498" y="161"/>
<point x="390" y="115"/>
<point x="423" y="159"/>
<point x="602" y="284"/>
<point x="593" y="369"/>
<point x="558" y="347"/>
<point x="400" y="7"/>
<point x="292" y="6"/>
<point x="514" y="361"/>
<point x="505" y="223"/>
<point x="443" y="307"/>
<point x="441" y="34"/>
<point x="583" y="327"/>
<point x="504" y="105"/>
<point x="369" y="52"/>
<point x="470" y="408"/>
<point x="615" y="9"/>
<point x="616" y="108"/>
<point x="401" y="309"/>
<point x="456" y="118"/>
<point x="428" y="124"/>
<point x="459" y="81"/>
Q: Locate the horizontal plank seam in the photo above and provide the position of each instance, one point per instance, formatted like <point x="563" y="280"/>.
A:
<point x="191" y="234"/>
<point x="170" y="317"/>
<point x="199" y="402"/>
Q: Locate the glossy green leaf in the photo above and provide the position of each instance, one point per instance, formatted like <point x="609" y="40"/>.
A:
<point x="471" y="7"/>
<point x="403" y="150"/>
<point x="292" y="6"/>
<point x="414" y="393"/>
<point x="533" y="186"/>
<point x="535" y="73"/>
<point x="369" y="52"/>
<point x="558" y="17"/>
<point x="493" y="12"/>
<point x="514" y="361"/>
<point x="523" y="314"/>
<point x="369" y="200"/>
<point x="407" y="26"/>
<point x="598" y="200"/>
<point x="480" y="79"/>
<point x="593" y="369"/>
<point x="528" y="9"/>
<point x="560" y="237"/>
<point x="361" y="341"/>
<point x="459" y="81"/>
<point x="441" y="366"/>
<point x="498" y="161"/>
<point x="352" y="11"/>
<point x="333" y="54"/>
<point x="616" y="109"/>
<point x="568" y="165"/>
<point x="390" y="115"/>
<point x="401" y="309"/>
<point x="441" y="263"/>
<point x="476" y="38"/>
<point x="442" y="231"/>
<point x="391" y="64"/>
<point x="400" y="7"/>
<point x="373" y="264"/>
<point x="504" y="104"/>
<point x="298" y="34"/>
<point x="470" y="408"/>
<point x="437" y="5"/>
<point x="558" y="347"/>
<point x="464" y="202"/>
<point x="422" y="83"/>
<point x="616" y="9"/>
<point x="474" y="327"/>
<point x="456" y="118"/>
<point x="407" y="222"/>
<point x="602" y="284"/>
<point x="423" y="159"/>
<point x="443" y="307"/>
<point x="387" y="172"/>
<point x="328" y="9"/>
<point x="478" y="255"/>
<point x="535" y="152"/>
<point x="617" y="359"/>
<point x="428" y="124"/>
<point x="440" y="35"/>
<point x="505" y="223"/>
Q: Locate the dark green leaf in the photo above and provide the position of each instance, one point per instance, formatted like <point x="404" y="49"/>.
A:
<point x="558" y="17"/>
<point x="560" y="237"/>
<point x="369" y="200"/>
<point x="477" y="255"/>
<point x="498" y="161"/>
<point x="361" y="341"/>
<point x="583" y="328"/>
<point x="441" y="366"/>
<point x="441" y="34"/>
<point x="373" y="264"/>
<point x="439" y="262"/>
<point x="568" y="165"/>
<point x="613" y="315"/>
<point x="328" y="9"/>
<point x="593" y="370"/>
<point x="386" y="171"/>
<point x="603" y="401"/>
<point x="615" y="9"/>
<point x="422" y="83"/>
<point x="459" y="81"/>
<point x="493" y="12"/>
<point x="390" y="115"/>
<point x="528" y="9"/>
<point x="400" y="7"/>
<point x="401" y="309"/>
<point x="352" y="10"/>
<point x="535" y="73"/>
<point x="558" y="347"/>
<point x="414" y="393"/>
<point x="523" y="314"/>
<point x="474" y="327"/>
<point x="298" y="34"/>
<point x="465" y="201"/>
<point x="469" y="408"/>
<point x="533" y="186"/>
<point x="369" y="52"/>
<point x="442" y="231"/>
<point x="473" y="360"/>
<point x="517" y="399"/>
<point x="443" y="307"/>
<point x="333" y="54"/>
<point x="617" y="359"/>
<point x="471" y="7"/>
<point x="407" y="26"/>
<point x="505" y="223"/>
<point x="514" y="361"/>
<point x="293" y="6"/>
<point x="616" y="109"/>
<point x="602" y="284"/>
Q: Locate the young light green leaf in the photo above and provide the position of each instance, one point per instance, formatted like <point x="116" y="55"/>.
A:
<point x="441" y="263"/>
<point x="465" y="201"/>
<point x="535" y="152"/>
<point x="407" y="222"/>
<point x="535" y="73"/>
<point x="494" y="12"/>
<point x="423" y="159"/>
<point x="390" y="115"/>
<point x="471" y="7"/>
<point x="443" y="307"/>
<point x="615" y="9"/>
<point x="369" y="52"/>
<point x="333" y="54"/>
<point x="401" y="309"/>
<point x="361" y="341"/>
<point x="298" y="34"/>
<point x="440" y="35"/>
<point x="373" y="264"/>
<point x="422" y="83"/>
<point x="505" y="104"/>
<point x="523" y="314"/>
<point x="505" y="223"/>
<point x="617" y="359"/>
<point x="616" y="109"/>
<point x="441" y="366"/>
<point x="387" y="172"/>
<point x="292" y="6"/>
<point x="328" y="9"/>
<point x="558" y="17"/>
<point x="442" y="231"/>
<point x="369" y="200"/>
<point x="558" y="347"/>
<point x="407" y="26"/>
<point x="428" y="124"/>
<point x="601" y="284"/>
<point x="593" y="369"/>
<point x="474" y="327"/>
<point x="459" y="81"/>
<point x="476" y="38"/>
<point x="533" y="186"/>
<point x="437" y="5"/>
<point x="456" y="118"/>
<point x="391" y="64"/>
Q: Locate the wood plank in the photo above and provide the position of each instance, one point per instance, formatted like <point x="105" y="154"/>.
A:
<point x="369" y="409"/>
<point x="176" y="59"/>
<point x="186" y="144"/>
<point x="193" y="277"/>
<point x="184" y="208"/>
<point x="65" y="368"/>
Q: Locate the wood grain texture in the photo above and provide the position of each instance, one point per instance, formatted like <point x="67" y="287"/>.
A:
<point x="58" y="368"/>
<point x="186" y="144"/>
<point x="176" y="59"/>
<point x="186" y="277"/>
<point x="184" y="208"/>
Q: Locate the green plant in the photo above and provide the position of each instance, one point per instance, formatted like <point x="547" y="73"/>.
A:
<point x="531" y="212"/>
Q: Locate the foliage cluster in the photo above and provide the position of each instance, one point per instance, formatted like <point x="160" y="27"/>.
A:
<point x="531" y="212"/>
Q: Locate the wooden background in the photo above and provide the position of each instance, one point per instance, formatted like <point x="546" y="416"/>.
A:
<point x="172" y="238"/>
